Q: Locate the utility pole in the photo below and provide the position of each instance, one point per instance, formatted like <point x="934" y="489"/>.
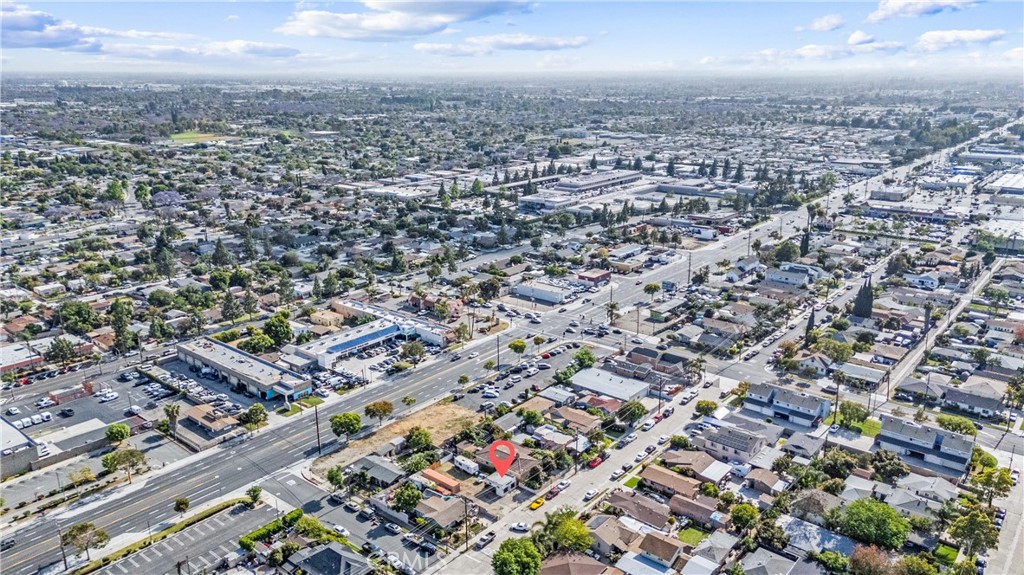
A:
<point x="316" y="418"/>
<point x="689" y="262"/>
<point x="63" y="556"/>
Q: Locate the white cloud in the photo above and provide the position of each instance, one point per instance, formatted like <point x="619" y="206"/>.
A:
<point x="938" y="40"/>
<point x="23" y="27"/>
<point x="387" y="21"/>
<point x="859" y="37"/>
<point x="915" y="8"/>
<point x="480" y="45"/>
<point x="231" y="17"/>
<point x="826" y="23"/>
<point x="821" y="51"/>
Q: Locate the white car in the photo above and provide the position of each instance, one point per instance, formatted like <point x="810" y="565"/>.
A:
<point x="520" y="527"/>
<point x="474" y="354"/>
<point x="641" y="456"/>
<point x="563" y="484"/>
<point x="45" y="402"/>
<point x="341" y="531"/>
<point x="14" y="411"/>
<point x="589" y="495"/>
<point x="663" y="439"/>
<point x="489" y="394"/>
<point x="617" y="474"/>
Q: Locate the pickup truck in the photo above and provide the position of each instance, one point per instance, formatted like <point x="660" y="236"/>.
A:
<point x="486" y="539"/>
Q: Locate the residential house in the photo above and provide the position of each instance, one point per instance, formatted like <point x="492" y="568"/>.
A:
<point x="803" y="445"/>
<point x="928" y="280"/>
<point x="661" y="549"/>
<point x="979" y="400"/>
<point x="611" y="535"/>
<point x="793" y="278"/>
<point x="934" y="488"/>
<point x="731" y="444"/>
<point x="887" y="354"/>
<point x="920" y="445"/>
<point x="725" y="329"/>
<point x="697" y="464"/>
<point x="330" y="559"/>
<point x="804" y="537"/>
<point x="380" y="471"/>
<point x="573" y="564"/>
<point x="441" y="512"/>
<point x="668" y="482"/>
<point x="787" y="406"/>
<point x="608" y="406"/>
<point x="812" y="505"/>
<point x="862" y="374"/>
<point x="765" y="481"/>
<point x="765" y="562"/>
<point x="575" y="419"/>
<point x="699" y="508"/>
<point x="716" y="547"/>
<point x="817" y="363"/>
<point x="643" y="509"/>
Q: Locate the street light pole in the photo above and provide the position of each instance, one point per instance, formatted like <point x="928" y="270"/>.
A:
<point x="316" y="418"/>
<point x="60" y="536"/>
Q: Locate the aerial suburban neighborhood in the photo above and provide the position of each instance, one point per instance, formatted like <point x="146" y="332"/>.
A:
<point x="754" y="325"/>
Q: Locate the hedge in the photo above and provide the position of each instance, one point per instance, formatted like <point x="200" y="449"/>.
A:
<point x="122" y="553"/>
<point x="248" y="541"/>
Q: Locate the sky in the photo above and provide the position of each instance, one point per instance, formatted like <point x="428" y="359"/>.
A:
<point x="423" y="38"/>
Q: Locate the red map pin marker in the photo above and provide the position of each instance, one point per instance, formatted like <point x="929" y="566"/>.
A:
<point x="502" y="448"/>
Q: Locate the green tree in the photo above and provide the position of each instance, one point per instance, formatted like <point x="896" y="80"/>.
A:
<point x="993" y="482"/>
<point x="229" y="308"/>
<point x="118" y="432"/>
<point x="172" y="411"/>
<point x="888" y="466"/>
<point x="379" y="410"/>
<point x="128" y="460"/>
<point x="346" y="424"/>
<point x="652" y="289"/>
<point x="255" y="494"/>
<point x="517" y="346"/>
<point x="255" y="416"/>
<point x="221" y="256"/>
<point x="572" y="536"/>
<point x="851" y="412"/>
<point x="418" y="439"/>
<point x="250" y="304"/>
<point x="278" y="329"/>
<point x="85" y="536"/>
<point x="632" y="412"/>
<point x="864" y="301"/>
<point x="975" y="533"/>
<point x="310" y="526"/>
<point x="181" y="505"/>
<point x="531" y="417"/>
<point x="61" y="351"/>
<point x="584" y="357"/>
<point x="407" y="497"/>
<point x="413" y="351"/>
<point x="745" y="515"/>
<point x="516" y="556"/>
<point x="874" y="522"/>
<point x="121" y="320"/>
<point x="336" y="477"/>
<point x="706" y="407"/>
<point x="956" y="424"/>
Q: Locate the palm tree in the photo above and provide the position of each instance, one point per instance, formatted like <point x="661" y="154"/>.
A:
<point x="696" y="367"/>
<point x="613" y="311"/>
<point x="172" y="410"/>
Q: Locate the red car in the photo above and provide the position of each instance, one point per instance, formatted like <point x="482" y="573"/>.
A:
<point x="658" y="418"/>
<point x="554" y="491"/>
<point x="594" y="462"/>
<point x="546" y="355"/>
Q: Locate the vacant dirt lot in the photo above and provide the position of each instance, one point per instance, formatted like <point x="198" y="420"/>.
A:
<point x="442" y="420"/>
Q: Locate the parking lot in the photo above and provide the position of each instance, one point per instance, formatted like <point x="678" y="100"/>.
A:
<point x="295" y="491"/>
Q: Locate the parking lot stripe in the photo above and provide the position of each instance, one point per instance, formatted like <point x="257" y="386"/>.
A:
<point x="133" y="562"/>
<point x="145" y="556"/>
<point x="189" y="535"/>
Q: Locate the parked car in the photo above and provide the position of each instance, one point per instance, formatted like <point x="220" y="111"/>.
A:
<point x="537" y="503"/>
<point x="486" y="539"/>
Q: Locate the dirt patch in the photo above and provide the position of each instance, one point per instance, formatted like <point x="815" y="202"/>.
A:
<point x="442" y="420"/>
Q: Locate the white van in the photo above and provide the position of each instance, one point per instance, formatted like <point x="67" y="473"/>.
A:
<point x="37" y="419"/>
<point x="648" y="425"/>
<point x="47" y="416"/>
<point x="26" y="422"/>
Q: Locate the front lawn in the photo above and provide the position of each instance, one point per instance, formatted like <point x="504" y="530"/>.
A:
<point x="692" y="536"/>
<point x="311" y="401"/>
<point x="946" y="554"/>
<point x="288" y="412"/>
<point x="868" y="427"/>
<point x="632" y="482"/>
